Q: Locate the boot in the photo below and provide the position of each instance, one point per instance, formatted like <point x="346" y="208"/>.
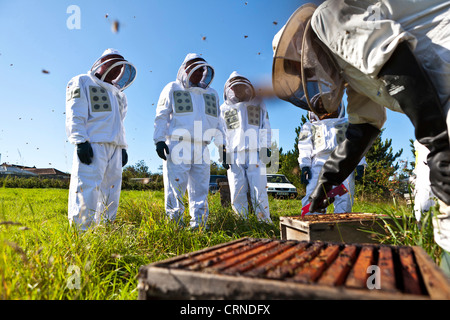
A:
<point x="408" y="83"/>
<point x="341" y="163"/>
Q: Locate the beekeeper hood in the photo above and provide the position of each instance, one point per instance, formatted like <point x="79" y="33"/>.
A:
<point x="302" y="66"/>
<point x="111" y="63"/>
<point x="321" y="113"/>
<point x="195" y="72"/>
<point x="238" y="89"/>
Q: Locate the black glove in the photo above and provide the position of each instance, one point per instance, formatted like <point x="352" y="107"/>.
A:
<point x="223" y="158"/>
<point x="160" y="148"/>
<point x="265" y="154"/>
<point x="342" y="161"/>
<point x="124" y="157"/>
<point x="306" y="175"/>
<point x="439" y="162"/>
<point x="85" y="152"/>
<point x="419" y="100"/>
<point x="359" y="173"/>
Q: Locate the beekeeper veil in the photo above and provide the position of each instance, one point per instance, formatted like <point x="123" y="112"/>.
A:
<point x="302" y="66"/>
<point x="112" y="62"/>
<point x="195" y="72"/>
<point x="238" y="89"/>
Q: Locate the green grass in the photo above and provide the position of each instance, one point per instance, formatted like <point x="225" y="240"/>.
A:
<point x="41" y="257"/>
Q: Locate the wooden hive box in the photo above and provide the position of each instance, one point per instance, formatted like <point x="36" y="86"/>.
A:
<point x="340" y="227"/>
<point x="261" y="269"/>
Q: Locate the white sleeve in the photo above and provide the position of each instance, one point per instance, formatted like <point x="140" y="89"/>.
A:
<point x="305" y="147"/>
<point x="77" y="111"/>
<point x="163" y="115"/>
<point x="362" y="33"/>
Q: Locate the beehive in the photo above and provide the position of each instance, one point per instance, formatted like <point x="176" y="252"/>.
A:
<point x="251" y="268"/>
<point x="341" y="227"/>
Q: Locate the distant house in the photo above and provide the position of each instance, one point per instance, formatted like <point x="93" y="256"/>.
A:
<point x="11" y="170"/>
<point x="18" y="170"/>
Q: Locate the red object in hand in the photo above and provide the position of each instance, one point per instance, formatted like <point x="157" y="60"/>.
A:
<point x="338" y="191"/>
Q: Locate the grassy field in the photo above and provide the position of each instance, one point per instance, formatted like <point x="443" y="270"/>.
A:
<point x="41" y="257"/>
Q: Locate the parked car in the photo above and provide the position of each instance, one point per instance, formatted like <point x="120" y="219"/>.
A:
<point x="280" y="187"/>
<point x="213" y="185"/>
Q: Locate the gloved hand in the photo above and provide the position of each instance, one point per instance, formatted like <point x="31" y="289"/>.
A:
<point x="265" y="154"/>
<point x="85" y="152"/>
<point x="124" y="157"/>
<point x="161" y="146"/>
<point x="420" y="101"/>
<point x="223" y="158"/>
<point x="359" y="173"/>
<point x="342" y="161"/>
<point x="439" y="163"/>
<point x="306" y="175"/>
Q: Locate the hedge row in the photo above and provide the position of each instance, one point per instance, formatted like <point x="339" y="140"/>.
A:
<point x="36" y="182"/>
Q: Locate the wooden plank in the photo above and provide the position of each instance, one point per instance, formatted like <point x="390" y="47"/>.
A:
<point x="173" y="260"/>
<point x="411" y="280"/>
<point x="257" y="260"/>
<point x="249" y="245"/>
<point x="437" y="284"/>
<point x="337" y="272"/>
<point x="236" y="257"/>
<point x="387" y="272"/>
<point x="194" y="261"/>
<point x="263" y="268"/>
<point x="314" y="269"/>
<point x="288" y="268"/>
<point x="357" y="277"/>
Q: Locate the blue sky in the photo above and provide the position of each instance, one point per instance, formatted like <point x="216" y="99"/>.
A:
<point x="155" y="36"/>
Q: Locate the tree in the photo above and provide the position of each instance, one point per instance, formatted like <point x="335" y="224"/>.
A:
<point x="217" y="169"/>
<point x="289" y="161"/>
<point x="381" y="178"/>
<point x="139" y="170"/>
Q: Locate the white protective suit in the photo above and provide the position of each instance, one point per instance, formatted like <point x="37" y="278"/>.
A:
<point x="95" y="112"/>
<point x="423" y="195"/>
<point x="362" y="35"/>
<point x="187" y="119"/>
<point x="317" y="139"/>
<point x="247" y="130"/>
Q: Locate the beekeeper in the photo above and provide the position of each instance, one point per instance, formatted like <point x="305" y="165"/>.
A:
<point x="248" y="144"/>
<point x="95" y="111"/>
<point x="187" y="120"/>
<point x="395" y="53"/>
<point x="423" y="196"/>
<point x="317" y="139"/>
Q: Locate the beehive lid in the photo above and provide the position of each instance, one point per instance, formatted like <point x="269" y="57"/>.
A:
<point x="334" y="217"/>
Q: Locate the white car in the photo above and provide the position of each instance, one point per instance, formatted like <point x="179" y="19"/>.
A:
<point x="279" y="186"/>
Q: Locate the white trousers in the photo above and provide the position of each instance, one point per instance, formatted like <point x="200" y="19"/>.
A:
<point x="247" y="176"/>
<point x="342" y="204"/>
<point x="187" y="167"/>
<point x="94" y="190"/>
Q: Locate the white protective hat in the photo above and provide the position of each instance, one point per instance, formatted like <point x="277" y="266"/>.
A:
<point x="128" y="71"/>
<point x="241" y="83"/>
<point x="302" y="66"/>
<point x="199" y="62"/>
